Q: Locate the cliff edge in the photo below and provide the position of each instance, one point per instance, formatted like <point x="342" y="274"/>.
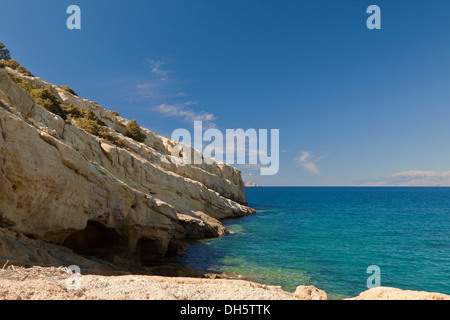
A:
<point x="71" y="186"/>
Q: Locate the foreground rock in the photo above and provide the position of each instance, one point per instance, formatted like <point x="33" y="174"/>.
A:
<point x="310" y="293"/>
<point x="38" y="283"/>
<point x="387" y="293"/>
<point x="62" y="186"/>
<point x="52" y="284"/>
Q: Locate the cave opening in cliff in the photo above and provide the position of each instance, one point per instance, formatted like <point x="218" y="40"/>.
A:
<point x="150" y="250"/>
<point x="96" y="240"/>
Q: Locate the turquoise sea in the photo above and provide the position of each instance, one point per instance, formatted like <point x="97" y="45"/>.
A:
<point x="329" y="236"/>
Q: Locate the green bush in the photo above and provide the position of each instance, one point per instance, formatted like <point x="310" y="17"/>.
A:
<point x="89" y="122"/>
<point x="113" y="138"/>
<point x="73" y="111"/>
<point x="24" y="71"/>
<point x="6" y="61"/>
<point x="86" y="120"/>
<point x="134" y="131"/>
<point x="68" y="89"/>
<point x="42" y="96"/>
<point x="11" y="63"/>
<point x="115" y="113"/>
<point x="24" y="84"/>
<point x="4" y="53"/>
<point x="92" y="116"/>
<point x="48" y="101"/>
<point x="91" y="126"/>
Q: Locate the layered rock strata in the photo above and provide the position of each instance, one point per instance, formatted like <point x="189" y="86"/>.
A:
<point x="63" y="186"/>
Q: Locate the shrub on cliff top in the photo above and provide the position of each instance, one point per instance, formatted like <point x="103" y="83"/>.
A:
<point x="134" y="131"/>
<point x="112" y="138"/>
<point x="68" y="89"/>
<point x="13" y="64"/>
<point x="4" y="53"/>
<point x="89" y="122"/>
<point x="5" y="56"/>
<point x="41" y="96"/>
<point x="88" y="125"/>
<point x="48" y="101"/>
<point x="96" y="129"/>
<point x="92" y="116"/>
<point x="24" y="84"/>
<point x="24" y="71"/>
<point x="86" y="120"/>
<point x="73" y="111"/>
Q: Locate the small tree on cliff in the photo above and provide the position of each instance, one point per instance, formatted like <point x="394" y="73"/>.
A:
<point x="134" y="131"/>
<point x="4" y="53"/>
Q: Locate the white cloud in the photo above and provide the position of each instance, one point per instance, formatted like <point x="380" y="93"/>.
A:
<point x="159" y="85"/>
<point x="412" y="178"/>
<point x="156" y="65"/>
<point x="304" y="157"/>
<point x="164" y="89"/>
<point x="311" y="167"/>
<point x="153" y="89"/>
<point x="307" y="160"/>
<point x="180" y="110"/>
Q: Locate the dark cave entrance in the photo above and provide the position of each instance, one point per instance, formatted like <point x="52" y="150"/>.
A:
<point x="97" y="240"/>
<point x="149" y="251"/>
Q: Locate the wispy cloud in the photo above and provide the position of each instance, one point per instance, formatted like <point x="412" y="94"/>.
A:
<point x="158" y="89"/>
<point x="155" y="90"/>
<point x="156" y="67"/>
<point x="159" y="85"/>
<point x="165" y="90"/>
<point x="308" y="161"/>
<point x="181" y="110"/>
<point x="411" y="178"/>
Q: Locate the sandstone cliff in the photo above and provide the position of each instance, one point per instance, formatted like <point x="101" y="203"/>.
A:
<point x="63" y="187"/>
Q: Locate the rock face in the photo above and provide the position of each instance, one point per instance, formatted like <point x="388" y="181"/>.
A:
<point x="63" y="186"/>
<point x="388" y="293"/>
<point x="310" y="293"/>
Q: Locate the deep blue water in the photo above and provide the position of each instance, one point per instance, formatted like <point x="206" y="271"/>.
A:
<point x="328" y="236"/>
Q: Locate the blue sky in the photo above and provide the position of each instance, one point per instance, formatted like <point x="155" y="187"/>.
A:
<point x="354" y="106"/>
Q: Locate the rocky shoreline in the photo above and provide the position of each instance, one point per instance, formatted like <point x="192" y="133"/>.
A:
<point x="50" y="283"/>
